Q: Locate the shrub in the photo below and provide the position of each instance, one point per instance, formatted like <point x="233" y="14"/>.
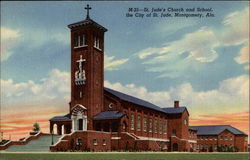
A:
<point x="36" y="127"/>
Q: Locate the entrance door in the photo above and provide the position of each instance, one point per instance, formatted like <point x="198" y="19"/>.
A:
<point x="175" y="147"/>
<point x="80" y="122"/>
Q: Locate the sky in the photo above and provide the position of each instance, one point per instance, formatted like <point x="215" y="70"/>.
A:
<point x="202" y="62"/>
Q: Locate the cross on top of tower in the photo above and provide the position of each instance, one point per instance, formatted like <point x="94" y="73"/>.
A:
<point x="87" y="8"/>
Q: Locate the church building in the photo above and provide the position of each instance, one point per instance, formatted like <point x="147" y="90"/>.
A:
<point x="102" y="119"/>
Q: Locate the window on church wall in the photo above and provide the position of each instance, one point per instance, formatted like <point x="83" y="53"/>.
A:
<point x="145" y="124"/>
<point x="79" y="41"/>
<point x="138" y="123"/>
<point x="185" y="122"/>
<point x="215" y="147"/>
<point x="245" y="138"/>
<point x="156" y="126"/>
<point x="150" y="125"/>
<point x="94" y="142"/>
<point x="132" y="121"/>
<point x="97" y="42"/>
<point x="78" y="142"/>
<point x="174" y="132"/>
<point x="160" y="127"/>
<point x="104" y="142"/>
<point x="165" y="127"/>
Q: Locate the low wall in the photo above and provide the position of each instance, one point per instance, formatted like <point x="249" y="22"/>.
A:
<point x="24" y="141"/>
<point x="84" y="141"/>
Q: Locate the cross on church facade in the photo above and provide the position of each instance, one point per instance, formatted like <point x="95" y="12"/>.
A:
<point x="87" y="8"/>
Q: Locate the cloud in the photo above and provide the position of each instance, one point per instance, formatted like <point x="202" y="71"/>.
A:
<point x="37" y="37"/>
<point x="9" y="39"/>
<point x="198" y="47"/>
<point x="236" y="119"/>
<point x="24" y="103"/>
<point x="236" y="29"/>
<point x="199" y="44"/>
<point x="173" y="25"/>
<point x="205" y="107"/>
<point x="111" y="64"/>
<point x="34" y="38"/>
<point x="56" y="85"/>
<point x="231" y="94"/>
<point x="50" y="97"/>
<point x="243" y="56"/>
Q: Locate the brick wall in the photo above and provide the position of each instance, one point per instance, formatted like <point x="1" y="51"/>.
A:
<point x="84" y="141"/>
<point x="241" y="143"/>
<point x="225" y="138"/>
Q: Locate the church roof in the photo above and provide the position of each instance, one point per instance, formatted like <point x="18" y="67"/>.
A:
<point x="134" y="100"/>
<point x="177" y="110"/>
<point x="216" y="129"/>
<point x="61" y="118"/>
<point x="144" y="103"/>
<point x="108" y="115"/>
<point x="86" y="23"/>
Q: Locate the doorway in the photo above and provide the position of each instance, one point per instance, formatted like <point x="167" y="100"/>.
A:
<point x="80" y="124"/>
<point x="175" y="147"/>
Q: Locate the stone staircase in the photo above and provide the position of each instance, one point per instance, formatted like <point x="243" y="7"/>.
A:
<point x="132" y="135"/>
<point x="39" y="145"/>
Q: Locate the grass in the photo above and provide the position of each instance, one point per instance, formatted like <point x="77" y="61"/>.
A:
<point x="123" y="156"/>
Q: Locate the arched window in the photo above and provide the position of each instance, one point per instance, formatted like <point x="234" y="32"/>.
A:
<point x="156" y="126"/>
<point x="97" y="43"/>
<point x="150" y="125"/>
<point x="145" y="124"/>
<point x="138" y="123"/>
<point x="132" y="121"/>
<point x="160" y="127"/>
<point x="165" y="127"/>
<point x="174" y="132"/>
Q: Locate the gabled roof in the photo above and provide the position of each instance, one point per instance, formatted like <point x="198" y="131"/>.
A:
<point x="85" y="23"/>
<point x="143" y="103"/>
<point x="108" y="115"/>
<point x="216" y="129"/>
<point x="177" y="110"/>
<point x="61" y="118"/>
<point x="134" y="100"/>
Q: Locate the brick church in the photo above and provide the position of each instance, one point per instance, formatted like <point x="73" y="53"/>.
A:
<point x="102" y="119"/>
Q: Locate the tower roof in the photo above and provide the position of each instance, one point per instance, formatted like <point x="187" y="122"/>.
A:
<point x="87" y="23"/>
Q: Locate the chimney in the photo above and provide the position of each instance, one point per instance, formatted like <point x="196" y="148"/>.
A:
<point x="176" y="104"/>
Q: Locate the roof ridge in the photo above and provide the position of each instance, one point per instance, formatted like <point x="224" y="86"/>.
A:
<point x="177" y="107"/>
<point x="210" y="125"/>
<point x="144" y="103"/>
<point x="131" y="96"/>
<point x="153" y="106"/>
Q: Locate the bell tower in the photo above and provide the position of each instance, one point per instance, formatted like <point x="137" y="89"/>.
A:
<point x="87" y="67"/>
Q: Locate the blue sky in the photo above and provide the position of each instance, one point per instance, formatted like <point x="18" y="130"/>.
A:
<point x="38" y="51"/>
<point x="203" y="62"/>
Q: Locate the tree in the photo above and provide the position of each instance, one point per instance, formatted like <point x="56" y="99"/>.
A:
<point x="36" y="127"/>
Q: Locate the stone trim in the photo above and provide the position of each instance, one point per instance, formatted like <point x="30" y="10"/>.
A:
<point x="152" y="139"/>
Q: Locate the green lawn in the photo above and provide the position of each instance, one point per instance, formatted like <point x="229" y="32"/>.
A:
<point x="123" y="156"/>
